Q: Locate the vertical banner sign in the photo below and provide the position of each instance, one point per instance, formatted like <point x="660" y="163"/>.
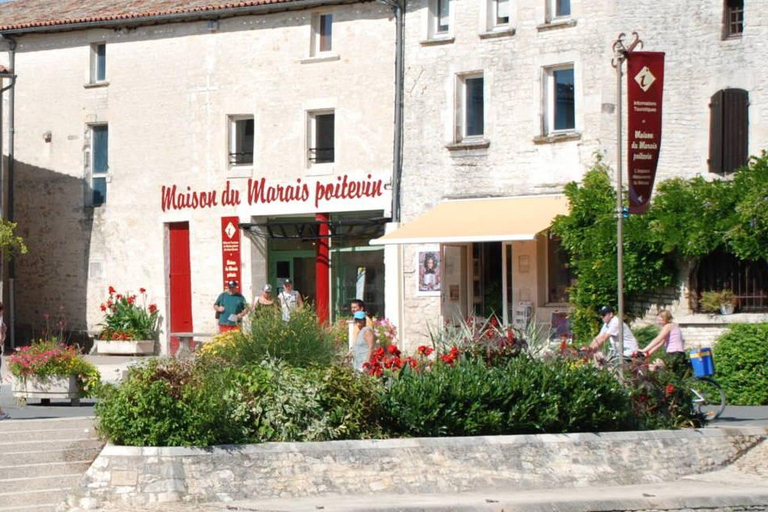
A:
<point x="645" y="87"/>
<point x="230" y="250"/>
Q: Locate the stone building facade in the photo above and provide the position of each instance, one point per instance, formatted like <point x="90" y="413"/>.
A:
<point x="165" y="119"/>
<point x="518" y="47"/>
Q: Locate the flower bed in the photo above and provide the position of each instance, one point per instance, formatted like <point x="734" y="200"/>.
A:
<point x="130" y="326"/>
<point x="48" y="369"/>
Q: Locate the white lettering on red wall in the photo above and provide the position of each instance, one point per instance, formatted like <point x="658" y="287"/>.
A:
<point x="315" y="194"/>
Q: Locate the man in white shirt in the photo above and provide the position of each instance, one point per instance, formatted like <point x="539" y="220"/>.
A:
<point x="610" y="330"/>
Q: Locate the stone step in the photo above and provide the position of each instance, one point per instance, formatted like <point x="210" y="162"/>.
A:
<point x="33" y="434"/>
<point x="50" y="425"/>
<point x="45" y="507"/>
<point x="44" y="469"/>
<point x="10" y="448"/>
<point x="37" y="483"/>
<point x="83" y="450"/>
<point x="16" y="499"/>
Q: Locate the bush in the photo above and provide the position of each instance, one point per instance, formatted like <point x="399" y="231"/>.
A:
<point x="168" y="402"/>
<point x="45" y="359"/>
<point x="644" y="335"/>
<point x="741" y="360"/>
<point x="524" y="396"/>
<point x="203" y="402"/>
<point x="300" y="342"/>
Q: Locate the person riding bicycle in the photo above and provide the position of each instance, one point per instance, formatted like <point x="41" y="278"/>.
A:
<point x="610" y="331"/>
<point x="671" y="338"/>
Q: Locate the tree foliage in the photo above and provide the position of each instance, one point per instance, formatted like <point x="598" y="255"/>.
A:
<point x="10" y="243"/>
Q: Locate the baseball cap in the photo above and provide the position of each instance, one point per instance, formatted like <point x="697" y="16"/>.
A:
<point x="359" y="315"/>
<point x="286" y="281"/>
<point x="605" y="310"/>
<point x="267" y="287"/>
<point x="232" y="284"/>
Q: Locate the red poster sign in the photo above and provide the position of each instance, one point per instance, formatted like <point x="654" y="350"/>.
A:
<point x="230" y="249"/>
<point x="645" y="87"/>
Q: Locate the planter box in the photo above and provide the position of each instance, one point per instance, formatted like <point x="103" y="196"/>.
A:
<point x="45" y="389"/>
<point x="133" y="348"/>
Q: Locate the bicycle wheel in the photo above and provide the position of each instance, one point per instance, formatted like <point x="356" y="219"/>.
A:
<point x="708" y="398"/>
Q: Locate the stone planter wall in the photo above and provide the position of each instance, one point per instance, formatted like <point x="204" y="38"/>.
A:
<point x="137" y="476"/>
<point x="46" y="389"/>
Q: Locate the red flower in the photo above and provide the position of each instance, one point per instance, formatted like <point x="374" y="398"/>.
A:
<point x="424" y="350"/>
<point x="152" y="308"/>
<point x="119" y="296"/>
<point x="392" y="349"/>
<point x="111" y="290"/>
<point x="669" y="389"/>
<point x="103" y="307"/>
<point x="142" y="290"/>
<point x="131" y="299"/>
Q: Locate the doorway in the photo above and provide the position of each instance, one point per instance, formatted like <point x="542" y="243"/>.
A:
<point x="454" y="295"/>
<point x="179" y="282"/>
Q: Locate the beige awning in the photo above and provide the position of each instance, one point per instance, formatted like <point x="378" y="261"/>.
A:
<point x="481" y="220"/>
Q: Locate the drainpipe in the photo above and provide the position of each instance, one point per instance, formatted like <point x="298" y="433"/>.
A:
<point x="10" y="216"/>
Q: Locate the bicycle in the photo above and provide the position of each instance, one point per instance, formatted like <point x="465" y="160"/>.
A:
<point x="708" y="393"/>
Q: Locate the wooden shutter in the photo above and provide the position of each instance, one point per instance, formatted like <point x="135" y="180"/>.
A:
<point x="735" y="129"/>
<point x="716" y="133"/>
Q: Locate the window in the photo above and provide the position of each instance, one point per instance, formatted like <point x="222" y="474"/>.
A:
<point x="321" y="137"/>
<point x="470" y="107"/>
<point x="560" y="8"/>
<point x="98" y="63"/>
<point x="240" y="140"/>
<point x="500" y="12"/>
<point x="728" y="131"/>
<point x="99" y="163"/>
<point x="440" y="18"/>
<point x="748" y="280"/>
<point x="559" y="275"/>
<point x="323" y="34"/>
<point x="560" y="104"/>
<point x="734" y="18"/>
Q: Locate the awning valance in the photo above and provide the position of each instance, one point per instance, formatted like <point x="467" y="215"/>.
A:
<point x="481" y="220"/>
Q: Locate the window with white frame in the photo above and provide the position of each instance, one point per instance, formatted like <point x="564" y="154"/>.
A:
<point x="498" y="13"/>
<point x="559" y="99"/>
<point x="98" y="63"/>
<point x="241" y="137"/>
<point x="439" y="18"/>
<point x="470" y="107"/>
<point x="559" y="8"/>
<point x="99" y="163"/>
<point x="734" y="18"/>
<point x="322" y="34"/>
<point x="321" y="147"/>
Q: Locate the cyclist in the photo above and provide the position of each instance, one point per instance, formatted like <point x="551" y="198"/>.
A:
<point x="610" y="331"/>
<point x="671" y="338"/>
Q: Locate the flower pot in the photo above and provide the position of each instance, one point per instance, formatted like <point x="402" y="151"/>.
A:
<point x="125" y="348"/>
<point x="727" y="308"/>
<point x="46" y="388"/>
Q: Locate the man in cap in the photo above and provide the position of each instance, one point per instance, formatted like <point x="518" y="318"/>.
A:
<point x="290" y="299"/>
<point x="610" y="331"/>
<point x="230" y="308"/>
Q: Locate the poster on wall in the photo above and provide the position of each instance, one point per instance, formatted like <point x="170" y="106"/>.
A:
<point x="428" y="264"/>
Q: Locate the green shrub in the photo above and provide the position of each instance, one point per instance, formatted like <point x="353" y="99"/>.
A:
<point x="524" y="396"/>
<point x="741" y="361"/>
<point x="299" y="342"/>
<point x="168" y="402"/>
<point x="644" y="335"/>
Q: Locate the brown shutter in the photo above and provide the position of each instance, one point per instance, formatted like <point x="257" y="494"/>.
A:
<point x="716" y="133"/>
<point x="735" y="129"/>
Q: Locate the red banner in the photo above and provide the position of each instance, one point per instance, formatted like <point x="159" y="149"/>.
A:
<point x="645" y="88"/>
<point x="230" y="250"/>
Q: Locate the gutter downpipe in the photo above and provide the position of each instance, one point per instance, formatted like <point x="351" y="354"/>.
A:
<point x="10" y="183"/>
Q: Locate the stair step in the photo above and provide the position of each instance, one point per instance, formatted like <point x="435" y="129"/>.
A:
<point x="9" y="447"/>
<point x="35" y="435"/>
<point x="29" y="498"/>
<point x="37" y="483"/>
<point x="85" y="450"/>
<point x="44" y="469"/>
<point x="51" y="424"/>
<point x="45" y="507"/>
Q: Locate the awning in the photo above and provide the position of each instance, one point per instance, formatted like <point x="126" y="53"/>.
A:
<point x="481" y="220"/>
<point x="288" y="229"/>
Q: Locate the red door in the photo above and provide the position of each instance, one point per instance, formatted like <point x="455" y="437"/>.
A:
<point x="180" y="281"/>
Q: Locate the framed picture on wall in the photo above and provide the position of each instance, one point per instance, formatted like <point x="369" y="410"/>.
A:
<point x="428" y="267"/>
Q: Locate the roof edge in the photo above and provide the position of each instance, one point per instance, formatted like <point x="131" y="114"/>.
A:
<point x="171" y="17"/>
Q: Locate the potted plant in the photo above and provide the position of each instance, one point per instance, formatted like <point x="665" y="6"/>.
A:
<point x="48" y="369"/>
<point x="723" y="301"/>
<point x="130" y="327"/>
